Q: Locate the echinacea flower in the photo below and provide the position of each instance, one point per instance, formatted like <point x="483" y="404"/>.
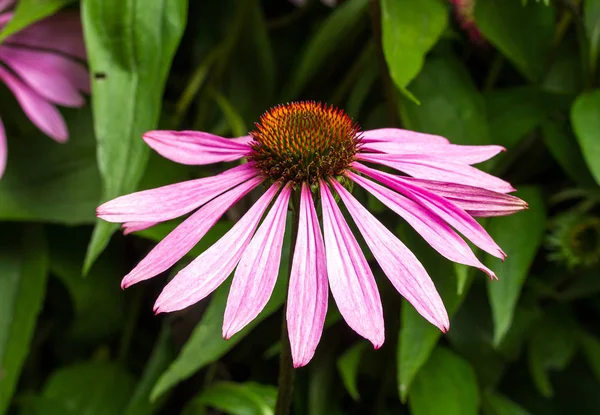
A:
<point x="465" y="14"/>
<point x="315" y="151"/>
<point x="41" y="66"/>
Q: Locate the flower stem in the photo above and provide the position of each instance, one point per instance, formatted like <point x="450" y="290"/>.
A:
<point x="286" y="369"/>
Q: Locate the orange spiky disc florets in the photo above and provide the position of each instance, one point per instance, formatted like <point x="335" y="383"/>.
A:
<point x="304" y="142"/>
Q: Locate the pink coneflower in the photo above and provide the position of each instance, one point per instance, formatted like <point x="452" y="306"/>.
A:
<point x="306" y="152"/>
<point x="465" y="14"/>
<point x="40" y="66"/>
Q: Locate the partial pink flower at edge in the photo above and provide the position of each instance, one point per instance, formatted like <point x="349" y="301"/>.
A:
<point x="465" y="14"/>
<point x="289" y="152"/>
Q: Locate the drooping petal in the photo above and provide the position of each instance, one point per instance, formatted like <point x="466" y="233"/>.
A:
<point x="435" y="231"/>
<point x="257" y="271"/>
<point x="397" y="262"/>
<point x="61" y="32"/>
<point x="43" y="114"/>
<point x="204" y="274"/>
<point x="350" y="278"/>
<point x="397" y="135"/>
<point x="244" y="140"/>
<point x="307" y="291"/>
<point x="183" y="238"/>
<point x="171" y="201"/>
<point x="3" y="149"/>
<point x="448" y="212"/>
<point x="431" y="168"/>
<point x="457" y="153"/>
<point x="475" y="201"/>
<point x="129" y="227"/>
<point x="49" y="74"/>
<point x="195" y="147"/>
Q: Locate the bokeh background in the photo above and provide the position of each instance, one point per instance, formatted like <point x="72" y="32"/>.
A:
<point x="521" y="74"/>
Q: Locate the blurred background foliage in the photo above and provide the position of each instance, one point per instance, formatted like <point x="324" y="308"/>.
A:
<point x="522" y="74"/>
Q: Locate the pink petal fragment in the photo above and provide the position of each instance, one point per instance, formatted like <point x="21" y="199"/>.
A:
<point x="5" y="4"/>
<point x="195" y="147"/>
<point x="244" y="140"/>
<point x="3" y="149"/>
<point x="350" y="278"/>
<point x="49" y="74"/>
<point x="61" y="32"/>
<point x="445" y="210"/>
<point x="397" y="135"/>
<point x="397" y="262"/>
<point x="43" y="114"/>
<point x="431" y="168"/>
<point x="204" y="274"/>
<point x="168" y="202"/>
<point x="475" y="201"/>
<point x="435" y="231"/>
<point x="183" y="238"/>
<point x="129" y="227"/>
<point x="453" y="152"/>
<point x="256" y="274"/>
<point x="307" y="291"/>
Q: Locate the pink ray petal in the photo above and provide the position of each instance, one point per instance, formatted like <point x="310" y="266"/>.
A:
<point x="457" y="153"/>
<point x="183" y="238"/>
<point x="195" y="147"/>
<point x="257" y="271"/>
<point x="171" y="201"/>
<point x="43" y="114"/>
<point x="447" y="211"/>
<point x="244" y="140"/>
<point x="400" y="265"/>
<point x="435" y="231"/>
<point x="307" y="291"/>
<point x="129" y="227"/>
<point x="475" y="201"/>
<point x="204" y="274"/>
<point x="3" y="149"/>
<point x="61" y="32"/>
<point x="350" y="278"/>
<point x="431" y="168"/>
<point x="47" y="73"/>
<point x="397" y="135"/>
<point x="5" y="4"/>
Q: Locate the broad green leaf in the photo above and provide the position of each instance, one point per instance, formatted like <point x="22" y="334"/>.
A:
<point x="91" y="388"/>
<point x="206" y="343"/>
<point x="586" y="124"/>
<point x="552" y="345"/>
<point x="130" y="45"/>
<point x="495" y="404"/>
<point x="591" y="19"/>
<point x="410" y="28"/>
<point x="64" y="176"/>
<point x="591" y="348"/>
<point x="347" y="365"/>
<point x="445" y="385"/>
<point x="451" y="105"/>
<point x="563" y="146"/>
<point x="519" y="236"/>
<point x="333" y="33"/>
<point x="28" y="12"/>
<point x="523" y="34"/>
<point x="235" y="399"/>
<point x="23" y="276"/>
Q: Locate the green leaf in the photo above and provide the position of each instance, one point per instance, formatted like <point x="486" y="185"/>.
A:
<point x="591" y="348"/>
<point x="91" y="388"/>
<point x="586" y="124"/>
<point x="563" y="146"/>
<point x="451" y="104"/>
<point x="130" y="45"/>
<point x="519" y="236"/>
<point x="28" y="12"/>
<point x="591" y="19"/>
<point x="63" y="176"/>
<point x="446" y="385"/>
<point x="496" y="404"/>
<point x="23" y="276"/>
<point x="338" y="29"/>
<point x="410" y="28"/>
<point x="206" y="343"/>
<point x="347" y="365"/>
<point x="523" y="34"/>
<point x="235" y="399"/>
